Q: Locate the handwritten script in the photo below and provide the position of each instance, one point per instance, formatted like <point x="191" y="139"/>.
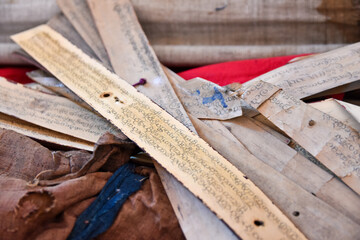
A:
<point x="37" y="132"/>
<point x="220" y="185"/>
<point x="52" y="112"/>
<point x="316" y="73"/>
<point x="331" y="141"/>
<point x="204" y="99"/>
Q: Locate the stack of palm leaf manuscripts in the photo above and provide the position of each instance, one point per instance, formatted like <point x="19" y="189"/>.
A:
<point x="251" y="161"/>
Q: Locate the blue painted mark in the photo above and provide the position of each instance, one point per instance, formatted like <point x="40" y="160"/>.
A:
<point x="198" y="92"/>
<point x="101" y="214"/>
<point x="217" y="96"/>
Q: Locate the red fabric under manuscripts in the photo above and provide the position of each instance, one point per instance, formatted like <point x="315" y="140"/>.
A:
<point x="221" y="73"/>
<point x="241" y="71"/>
<point x="237" y="71"/>
<point x="17" y="74"/>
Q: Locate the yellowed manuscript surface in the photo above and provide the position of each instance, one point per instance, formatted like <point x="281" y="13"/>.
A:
<point x="203" y="171"/>
<point x="43" y="134"/>
<point x="52" y="112"/>
<point x="317" y="73"/>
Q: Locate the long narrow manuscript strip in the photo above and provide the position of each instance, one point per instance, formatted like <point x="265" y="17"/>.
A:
<point x="220" y="185"/>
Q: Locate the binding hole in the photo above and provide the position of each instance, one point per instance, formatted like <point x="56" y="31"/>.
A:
<point x="311" y="123"/>
<point x="259" y="223"/>
<point x="105" y="94"/>
<point x="296" y="213"/>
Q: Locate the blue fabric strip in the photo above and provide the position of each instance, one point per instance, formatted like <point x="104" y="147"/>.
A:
<point x="100" y="215"/>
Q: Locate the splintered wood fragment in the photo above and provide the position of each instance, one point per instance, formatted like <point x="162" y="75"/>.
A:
<point x="333" y="143"/>
<point x="52" y="112"/>
<point x="220" y="185"/>
<point x="47" y="135"/>
<point x="336" y="110"/>
<point x="317" y="73"/>
<point x="119" y="17"/>
<point x="315" y="218"/>
<point x="80" y="17"/>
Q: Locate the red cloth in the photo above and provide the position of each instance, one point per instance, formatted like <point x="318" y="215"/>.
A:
<point x="237" y="71"/>
<point x="220" y="73"/>
<point x="16" y="74"/>
<point x="241" y="71"/>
